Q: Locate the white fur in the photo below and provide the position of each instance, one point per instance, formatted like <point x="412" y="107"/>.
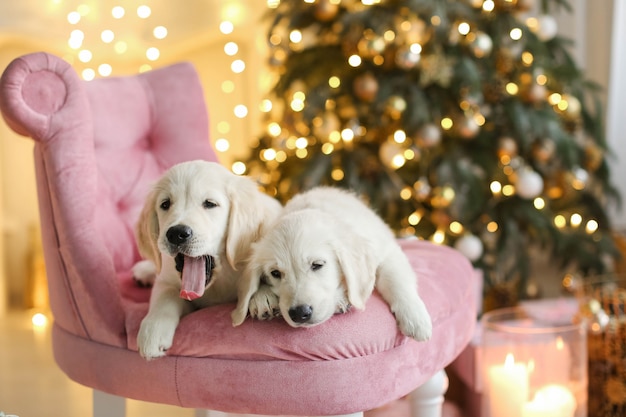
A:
<point x="330" y="251"/>
<point x="224" y="229"/>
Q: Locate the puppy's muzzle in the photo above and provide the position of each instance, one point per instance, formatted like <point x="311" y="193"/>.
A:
<point x="179" y="234"/>
<point x="301" y="314"/>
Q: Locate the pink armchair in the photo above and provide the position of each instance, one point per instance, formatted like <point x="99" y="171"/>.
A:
<point x="99" y="146"/>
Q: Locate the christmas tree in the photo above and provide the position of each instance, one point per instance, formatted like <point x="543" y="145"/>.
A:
<point x="463" y="122"/>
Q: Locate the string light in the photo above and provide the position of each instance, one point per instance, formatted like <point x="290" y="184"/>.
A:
<point x="39" y="320"/>
<point x="591" y="226"/>
<point x="107" y="36"/>
<point x="240" y="111"/>
<point x="516" y="34"/>
<point x="153" y="53"/>
<point x="495" y="187"/>
<point x="231" y="48"/>
<point x="238" y="168"/>
<point x="238" y="66"/>
<point x="105" y="70"/>
<point x="160" y="32"/>
<point x="354" y="60"/>
<point x="118" y="12"/>
<point x="144" y="11"/>
<point x="73" y="17"/>
<point x="222" y="145"/>
<point x="227" y="27"/>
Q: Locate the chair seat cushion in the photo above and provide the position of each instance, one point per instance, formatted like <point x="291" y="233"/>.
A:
<point x="208" y="332"/>
<point x="354" y="361"/>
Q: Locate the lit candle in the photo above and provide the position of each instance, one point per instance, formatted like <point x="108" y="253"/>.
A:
<point x="551" y="401"/>
<point x="508" y="388"/>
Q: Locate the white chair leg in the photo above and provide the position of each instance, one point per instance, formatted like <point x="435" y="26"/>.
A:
<point x="108" y="405"/>
<point x="213" y="413"/>
<point x="427" y="400"/>
<point x="359" y="414"/>
<point x="208" y="413"/>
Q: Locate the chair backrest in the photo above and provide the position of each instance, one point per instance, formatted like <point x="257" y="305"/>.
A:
<point x="99" y="146"/>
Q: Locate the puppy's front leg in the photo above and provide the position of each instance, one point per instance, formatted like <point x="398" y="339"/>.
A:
<point x="397" y="284"/>
<point x="157" y="329"/>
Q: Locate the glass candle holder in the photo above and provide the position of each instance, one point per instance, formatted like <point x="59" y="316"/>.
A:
<point x="531" y="367"/>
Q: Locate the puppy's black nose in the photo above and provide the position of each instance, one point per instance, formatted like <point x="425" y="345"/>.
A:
<point x="179" y="234"/>
<point x="301" y="313"/>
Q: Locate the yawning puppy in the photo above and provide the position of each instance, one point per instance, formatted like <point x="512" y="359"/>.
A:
<point x="326" y="252"/>
<point x="196" y="227"/>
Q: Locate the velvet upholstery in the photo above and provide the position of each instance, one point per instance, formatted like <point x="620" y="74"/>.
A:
<point x="99" y="145"/>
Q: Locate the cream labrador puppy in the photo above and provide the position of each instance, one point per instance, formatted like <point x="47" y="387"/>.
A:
<point x="196" y="228"/>
<point x="326" y="252"/>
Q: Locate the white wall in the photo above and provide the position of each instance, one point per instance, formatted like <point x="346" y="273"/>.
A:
<point x="616" y="116"/>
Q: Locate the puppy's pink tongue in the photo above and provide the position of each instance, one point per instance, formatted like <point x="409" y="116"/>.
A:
<point x="193" y="278"/>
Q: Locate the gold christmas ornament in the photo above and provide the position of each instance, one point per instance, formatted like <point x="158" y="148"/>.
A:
<point x="525" y="5"/>
<point x="407" y="58"/>
<point x="569" y="107"/>
<point x="371" y="45"/>
<point x="366" y="87"/>
<point x="536" y="93"/>
<point x="580" y="178"/>
<point x="471" y="246"/>
<point x="396" y="105"/>
<point x="529" y="184"/>
<point x="442" y="197"/>
<point x="390" y="154"/>
<point x="481" y="45"/>
<point x="547" y="28"/>
<point x="429" y="135"/>
<point x="505" y="4"/>
<point x="507" y="147"/>
<point x="594" y="156"/>
<point x="467" y="127"/>
<point x="543" y="150"/>
<point x="325" y="10"/>
<point x="422" y="189"/>
<point x="325" y="124"/>
<point x="414" y="30"/>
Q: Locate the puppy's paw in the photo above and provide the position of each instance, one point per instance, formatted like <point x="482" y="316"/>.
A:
<point x="414" y="321"/>
<point x="155" y="337"/>
<point x="264" y="304"/>
<point x="144" y="273"/>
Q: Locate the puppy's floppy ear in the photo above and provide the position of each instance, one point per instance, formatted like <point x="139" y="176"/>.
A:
<point x="355" y="257"/>
<point x="247" y="285"/>
<point x="147" y="231"/>
<point x="247" y="213"/>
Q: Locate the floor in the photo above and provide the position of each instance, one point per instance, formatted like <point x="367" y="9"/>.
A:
<point x="32" y="385"/>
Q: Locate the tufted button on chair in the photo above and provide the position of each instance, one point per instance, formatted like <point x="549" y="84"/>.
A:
<point x="99" y="146"/>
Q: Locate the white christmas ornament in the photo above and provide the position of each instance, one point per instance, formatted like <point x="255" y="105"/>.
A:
<point x="470" y="246"/>
<point x="529" y="184"/>
<point x="547" y="27"/>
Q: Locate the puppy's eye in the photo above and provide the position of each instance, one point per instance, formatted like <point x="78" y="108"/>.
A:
<point x="208" y="204"/>
<point x="276" y="273"/>
<point x="165" y="204"/>
<point x="317" y="265"/>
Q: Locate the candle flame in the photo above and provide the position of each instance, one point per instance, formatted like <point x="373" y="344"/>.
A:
<point x="509" y="361"/>
<point x="559" y="343"/>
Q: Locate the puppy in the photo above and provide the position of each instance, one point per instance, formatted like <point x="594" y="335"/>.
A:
<point x="196" y="228"/>
<point x="326" y="252"/>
